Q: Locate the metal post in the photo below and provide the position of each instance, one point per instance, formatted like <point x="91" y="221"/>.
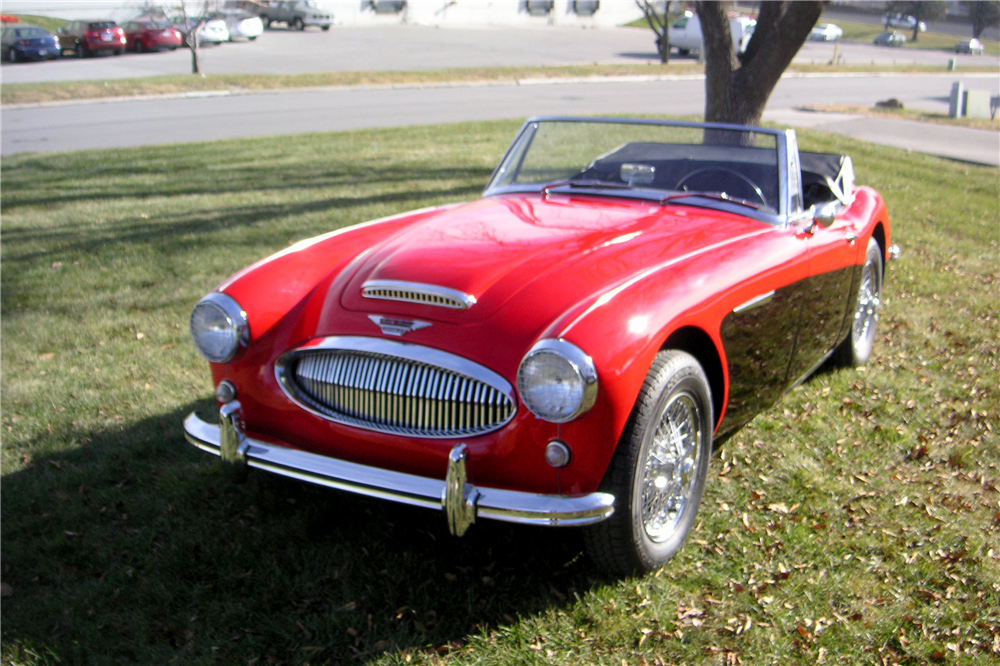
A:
<point x="955" y="101"/>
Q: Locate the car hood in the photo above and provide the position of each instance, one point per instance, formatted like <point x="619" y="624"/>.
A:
<point x="537" y="256"/>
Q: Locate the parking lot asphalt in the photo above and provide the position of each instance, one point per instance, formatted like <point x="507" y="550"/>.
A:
<point x="411" y="47"/>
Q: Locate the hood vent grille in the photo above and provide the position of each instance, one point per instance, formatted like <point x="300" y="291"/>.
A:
<point x="416" y="292"/>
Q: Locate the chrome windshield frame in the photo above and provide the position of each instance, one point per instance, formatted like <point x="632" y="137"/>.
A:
<point x="786" y="145"/>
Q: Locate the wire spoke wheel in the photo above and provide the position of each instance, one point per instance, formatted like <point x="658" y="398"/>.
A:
<point x="659" y="470"/>
<point x="670" y="472"/>
<point x="867" y="307"/>
<point x="857" y="347"/>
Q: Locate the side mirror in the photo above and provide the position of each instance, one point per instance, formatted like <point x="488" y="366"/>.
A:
<point x="825" y="214"/>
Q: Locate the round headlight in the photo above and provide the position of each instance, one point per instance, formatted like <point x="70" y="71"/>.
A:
<point x="557" y="381"/>
<point x="218" y="327"/>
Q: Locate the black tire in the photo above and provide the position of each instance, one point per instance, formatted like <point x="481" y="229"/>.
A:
<point x="856" y="349"/>
<point x="139" y="47"/>
<point x="657" y="496"/>
<point x="118" y="52"/>
<point x="298" y="24"/>
<point x="12" y="55"/>
<point x="683" y="52"/>
<point x="81" y="51"/>
<point x="325" y="28"/>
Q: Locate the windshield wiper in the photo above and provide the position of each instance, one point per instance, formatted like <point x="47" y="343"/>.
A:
<point x="589" y="184"/>
<point x="717" y="196"/>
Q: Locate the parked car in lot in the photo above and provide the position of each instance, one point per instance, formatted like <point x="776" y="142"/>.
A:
<point x="563" y="351"/>
<point x="973" y="46"/>
<point x="28" y="42"/>
<point x="826" y="32"/>
<point x="241" y="25"/>
<point x="151" y="35"/>
<point x="88" y="38"/>
<point x="904" y="21"/>
<point x="212" y="30"/>
<point x="685" y="33"/>
<point x="296" y="14"/>
<point x="890" y="38"/>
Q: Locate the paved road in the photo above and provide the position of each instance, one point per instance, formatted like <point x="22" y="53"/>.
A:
<point x="407" y="47"/>
<point x="140" y="122"/>
<point x="163" y="121"/>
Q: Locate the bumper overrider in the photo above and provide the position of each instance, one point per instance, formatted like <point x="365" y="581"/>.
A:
<point x="461" y="502"/>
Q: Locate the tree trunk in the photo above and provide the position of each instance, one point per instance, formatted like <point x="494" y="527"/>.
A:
<point x="659" y="26"/>
<point x="665" y="35"/>
<point x="737" y="87"/>
<point x="193" y="45"/>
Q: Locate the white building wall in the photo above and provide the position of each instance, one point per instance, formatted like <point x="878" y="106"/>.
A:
<point x="577" y="13"/>
<point x="464" y="13"/>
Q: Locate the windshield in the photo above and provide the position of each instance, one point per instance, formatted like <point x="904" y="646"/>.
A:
<point x="665" y="162"/>
<point x="31" y="32"/>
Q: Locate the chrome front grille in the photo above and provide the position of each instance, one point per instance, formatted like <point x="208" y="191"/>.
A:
<point x="397" y="388"/>
<point x="416" y="292"/>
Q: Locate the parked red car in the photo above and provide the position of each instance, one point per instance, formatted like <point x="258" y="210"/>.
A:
<point x="150" y="35"/>
<point x="87" y="38"/>
<point x="566" y="349"/>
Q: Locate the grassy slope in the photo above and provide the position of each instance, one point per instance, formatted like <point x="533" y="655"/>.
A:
<point x="858" y="521"/>
<point x="50" y="24"/>
<point x="934" y="41"/>
<point x="866" y="32"/>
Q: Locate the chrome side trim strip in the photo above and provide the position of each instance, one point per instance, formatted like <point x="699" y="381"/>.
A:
<point x="417" y="292"/>
<point x="754" y="302"/>
<point x="506" y="505"/>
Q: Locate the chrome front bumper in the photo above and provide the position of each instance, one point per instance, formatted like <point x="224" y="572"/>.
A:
<point x="461" y="502"/>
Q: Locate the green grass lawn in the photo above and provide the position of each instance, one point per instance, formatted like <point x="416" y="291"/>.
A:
<point x="857" y="522"/>
<point x="935" y="41"/>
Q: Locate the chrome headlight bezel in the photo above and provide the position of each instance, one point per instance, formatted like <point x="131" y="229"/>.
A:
<point x="230" y="319"/>
<point x="577" y="367"/>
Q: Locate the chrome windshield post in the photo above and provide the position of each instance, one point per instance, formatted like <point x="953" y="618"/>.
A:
<point x="459" y="500"/>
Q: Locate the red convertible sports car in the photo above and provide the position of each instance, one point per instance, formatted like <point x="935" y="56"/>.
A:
<point x="566" y="349"/>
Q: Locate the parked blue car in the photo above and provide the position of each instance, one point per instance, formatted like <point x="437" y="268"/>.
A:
<point x="28" y="42"/>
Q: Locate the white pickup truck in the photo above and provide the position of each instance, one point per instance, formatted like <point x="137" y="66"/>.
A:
<point x="685" y="33"/>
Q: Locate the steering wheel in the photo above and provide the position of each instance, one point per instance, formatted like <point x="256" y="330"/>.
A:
<point x="743" y="187"/>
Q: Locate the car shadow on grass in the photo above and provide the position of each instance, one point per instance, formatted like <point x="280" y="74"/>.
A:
<point x="134" y="546"/>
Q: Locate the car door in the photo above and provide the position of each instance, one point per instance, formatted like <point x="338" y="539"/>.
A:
<point x="833" y="256"/>
<point x="760" y="333"/>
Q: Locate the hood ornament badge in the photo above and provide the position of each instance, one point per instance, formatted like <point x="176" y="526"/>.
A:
<point x="397" y="327"/>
